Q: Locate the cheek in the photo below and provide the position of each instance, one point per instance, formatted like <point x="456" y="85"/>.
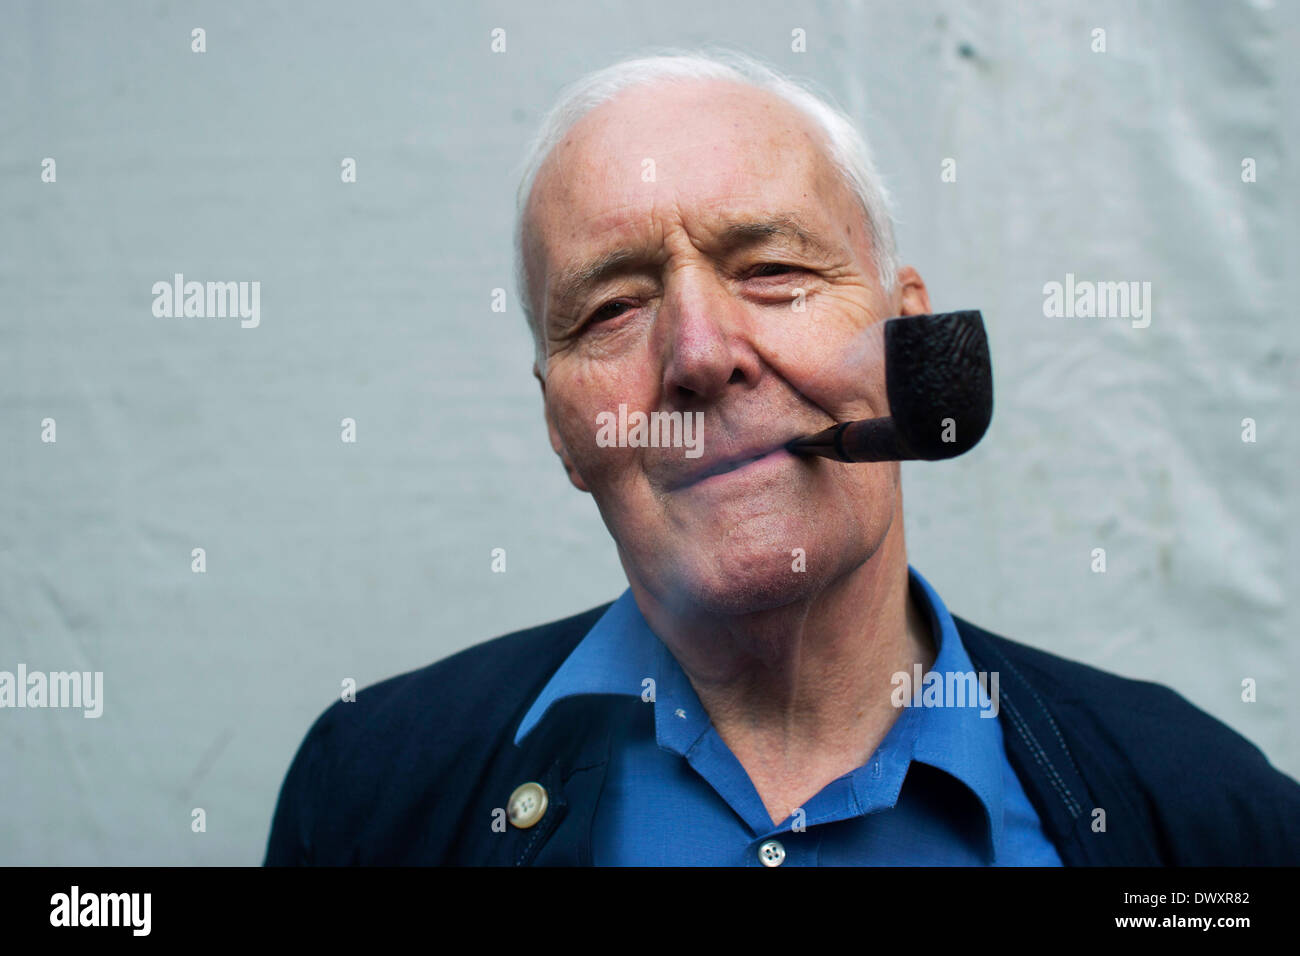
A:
<point x="578" y="397"/>
<point x="857" y="503"/>
<point x="833" y="354"/>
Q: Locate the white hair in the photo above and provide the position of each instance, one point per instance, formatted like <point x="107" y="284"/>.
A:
<point x="847" y="148"/>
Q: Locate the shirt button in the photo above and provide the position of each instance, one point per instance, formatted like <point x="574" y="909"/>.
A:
<point x="527" y="805"/>
<point x="772" y="853"/>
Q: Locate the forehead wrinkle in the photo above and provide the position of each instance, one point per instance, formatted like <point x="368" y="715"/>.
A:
<point x="733" y="233"/>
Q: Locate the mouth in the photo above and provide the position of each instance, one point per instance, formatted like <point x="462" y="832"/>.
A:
<point x="731" y="464"/>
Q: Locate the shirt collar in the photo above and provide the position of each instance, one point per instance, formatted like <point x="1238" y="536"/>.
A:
<point x="617" y="656"/>
<point x="621" y="655"/>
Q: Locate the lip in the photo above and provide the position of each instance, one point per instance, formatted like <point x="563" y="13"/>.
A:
<point x="722" y="469"/>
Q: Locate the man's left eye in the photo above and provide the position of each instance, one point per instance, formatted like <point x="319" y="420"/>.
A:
<point x="771" y="269"/>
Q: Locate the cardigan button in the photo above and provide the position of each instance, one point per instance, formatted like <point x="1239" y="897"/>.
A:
<point x="527" y="805"/>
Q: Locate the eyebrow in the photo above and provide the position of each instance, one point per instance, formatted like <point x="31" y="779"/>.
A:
<point x="734" y="234"/>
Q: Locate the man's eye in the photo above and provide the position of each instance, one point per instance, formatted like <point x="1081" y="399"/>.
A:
<point x="771" y="269"/>
<point x="606" y="311"/>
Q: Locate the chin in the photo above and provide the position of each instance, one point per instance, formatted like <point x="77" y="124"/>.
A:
<point x="734" y="586"/>
<point x="743" y="564"/>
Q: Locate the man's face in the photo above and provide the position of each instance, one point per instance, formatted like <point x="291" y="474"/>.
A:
<point x="723" y="204"/>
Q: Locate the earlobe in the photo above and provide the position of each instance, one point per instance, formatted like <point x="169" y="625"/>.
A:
<point x="914" y="297"/>
<point x="557" y="443"/>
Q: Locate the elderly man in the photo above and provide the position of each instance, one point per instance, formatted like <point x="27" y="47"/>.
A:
<point x="700" y="235"/>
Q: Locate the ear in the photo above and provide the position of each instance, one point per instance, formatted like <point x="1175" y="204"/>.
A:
<point x="556" y="442"/>
<point x="912" y="296"/>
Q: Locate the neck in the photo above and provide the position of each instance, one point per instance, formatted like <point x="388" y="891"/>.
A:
<point x="801" y="693"/>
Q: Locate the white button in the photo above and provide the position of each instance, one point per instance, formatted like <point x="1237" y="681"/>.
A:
<point x="772" y="853"/>
<point x="679" y="713"/>
<point x="527" y="805"/>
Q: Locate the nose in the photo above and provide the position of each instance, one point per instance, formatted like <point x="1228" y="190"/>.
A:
<point x="706" y="339"/>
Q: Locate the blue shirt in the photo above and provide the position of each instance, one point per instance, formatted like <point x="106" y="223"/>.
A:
<point x="938" y="791"/>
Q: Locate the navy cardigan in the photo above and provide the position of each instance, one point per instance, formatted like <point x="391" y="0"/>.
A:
<point x="417" y="769"/>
